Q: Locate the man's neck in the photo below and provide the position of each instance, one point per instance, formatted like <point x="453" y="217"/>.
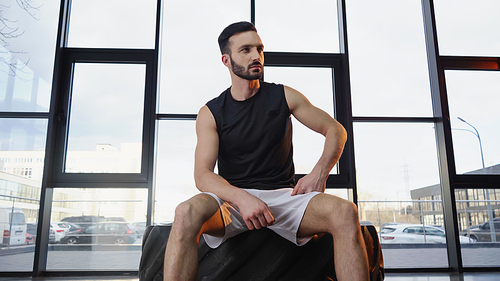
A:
<point x="242" y="89"/>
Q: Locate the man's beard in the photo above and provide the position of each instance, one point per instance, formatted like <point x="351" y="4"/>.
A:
<point x="240" y="71"/>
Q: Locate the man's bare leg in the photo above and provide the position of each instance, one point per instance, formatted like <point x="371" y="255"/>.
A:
<point x="200" y="214"/>
<point x="330" y="214"/>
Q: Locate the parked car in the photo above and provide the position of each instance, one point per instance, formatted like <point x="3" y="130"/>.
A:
<point x="52" y="236"/>
<point x="115" y="219"/>
<point x="29" y="239"/>
<point x="12" y="226"/>
<point x="84" y="221"/>
<point x="102" y="233"/>
<point x="60" y="230"/>
<point x="482" y="232"/>
<point x="73" y="226"/>
<point x="31" y="228"/>
<point x="414" y="233"/>
<point x="140" y="227"/>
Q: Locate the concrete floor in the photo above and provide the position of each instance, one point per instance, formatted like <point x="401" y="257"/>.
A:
<point x="389" y="277"/>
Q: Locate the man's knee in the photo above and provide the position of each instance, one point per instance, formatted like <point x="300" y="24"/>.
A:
<point x="191" y="215"/>
<point x="346" y="219"/>
<point x="187" y="218"/>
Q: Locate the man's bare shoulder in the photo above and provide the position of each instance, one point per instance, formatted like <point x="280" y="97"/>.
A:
<point x="294" y="98"/>
<point x="205" y="118"/>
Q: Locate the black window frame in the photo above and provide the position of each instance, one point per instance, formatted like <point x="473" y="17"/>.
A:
<point x="61" y="85"/>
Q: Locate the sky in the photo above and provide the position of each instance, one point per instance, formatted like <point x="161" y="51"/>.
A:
<point x="388" y="65"/>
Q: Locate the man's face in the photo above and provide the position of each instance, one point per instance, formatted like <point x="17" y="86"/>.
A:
<point x="247" y="55"/>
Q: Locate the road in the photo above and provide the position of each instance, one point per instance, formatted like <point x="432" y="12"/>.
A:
<point x="129" y="260"/>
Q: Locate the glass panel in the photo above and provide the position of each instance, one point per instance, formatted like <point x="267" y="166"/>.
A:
<point x="94" y="229"/>
<point x="17" y="225"/>
<point x="317" y="85"/>
<point x="473" y="101"/>
<point x="113" y="24"/>
<point x="399" y="192"/>
<point x="105" y="125"/>
<point x="26" y="68"/>
<point x="22" y="152"/>
<point x="298" y="26"/>
<point x="175" y="160"/>
<point x="343" y="193"/>
<point x="466" y="28"/>
<point x="188" y="79"/>
<point x="478" y="210"/>
<point x="388" y="60"/>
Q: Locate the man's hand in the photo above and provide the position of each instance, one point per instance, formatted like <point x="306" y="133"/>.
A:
<point x="309" y="183"/>
<point x="254" y="211"/>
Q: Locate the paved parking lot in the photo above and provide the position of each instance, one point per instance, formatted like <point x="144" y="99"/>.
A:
<point x="407" y="258"/>
<point x="129" y="260"/>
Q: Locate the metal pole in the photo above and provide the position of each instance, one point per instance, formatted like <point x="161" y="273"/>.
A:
<point x="11" y="218"/>
<point x="478" y="137"/>
<point x="488" y="203"/>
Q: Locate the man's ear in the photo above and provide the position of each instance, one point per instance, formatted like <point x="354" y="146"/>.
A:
<point x="226" y="60"/>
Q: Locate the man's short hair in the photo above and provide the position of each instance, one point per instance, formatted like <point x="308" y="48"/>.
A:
<point x="230" y="30"/>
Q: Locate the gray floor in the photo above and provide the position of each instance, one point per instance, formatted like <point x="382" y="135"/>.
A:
<point x="443" y="277"/>
<point x="389" y="277"/>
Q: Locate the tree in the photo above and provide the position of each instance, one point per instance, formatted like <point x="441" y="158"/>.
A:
<point x="9" y="30"/>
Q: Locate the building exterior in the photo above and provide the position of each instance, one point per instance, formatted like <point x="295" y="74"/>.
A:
<point x="472" y="204"/>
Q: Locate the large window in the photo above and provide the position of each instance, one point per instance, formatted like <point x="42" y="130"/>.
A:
<point x="174" y="166"/>
<point x="289" y="25"/>
<point x="398" y="188"/>
<point x="387" y="59"/>
<point x="396" y="160"/>
<point x="105" y="123"/>
<point x="97" y="229"/>
<point x="114" y="24"/>
<point x="26" y="70"/>
<point x="469" y="64"/>
<point x="473" y="99"/>
<point x="97" y="120"/>
<point x="468" y="30"/>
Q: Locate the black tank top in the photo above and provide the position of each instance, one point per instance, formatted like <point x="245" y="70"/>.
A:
<point x="255" y="138"/>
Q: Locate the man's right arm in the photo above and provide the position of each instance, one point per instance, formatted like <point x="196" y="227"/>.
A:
<point x="255" y="213"/>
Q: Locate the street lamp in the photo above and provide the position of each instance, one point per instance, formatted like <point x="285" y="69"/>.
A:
<point x="488" y="203"/>
<point x="478" y="137"/>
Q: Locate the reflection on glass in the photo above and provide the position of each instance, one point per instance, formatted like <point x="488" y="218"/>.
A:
<point x="174" y="167"/>
<point x="317" y="85"/>
<point x="191" y="69"/>
<point x="468" y="29"/>
<point x="400" y="193"/>
<point x="22" y="144"/>
<point x="93" y="226"/>
<point x="473" y="102"/>
<point x="17" y="243"/>
<point x="387" y="59"/>
<point x="106" y="118"/>
<point x="288" y="31"/>
<point x="478" y="220"/>
<point x="112" y="24"/>
<point x="25" y="67"/>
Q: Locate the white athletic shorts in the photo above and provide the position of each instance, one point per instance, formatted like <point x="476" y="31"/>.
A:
<point x="287" y="211"/>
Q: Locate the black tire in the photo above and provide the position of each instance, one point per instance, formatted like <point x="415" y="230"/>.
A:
<point x="119" y="240"/>
<point x="72" y="240"/>
<point x="473" y="238"/>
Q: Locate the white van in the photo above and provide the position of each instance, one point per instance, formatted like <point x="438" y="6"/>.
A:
<point x="12" y="226"/>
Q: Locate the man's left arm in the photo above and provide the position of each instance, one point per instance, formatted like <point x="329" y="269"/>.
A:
<point x="320" y="122"/>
